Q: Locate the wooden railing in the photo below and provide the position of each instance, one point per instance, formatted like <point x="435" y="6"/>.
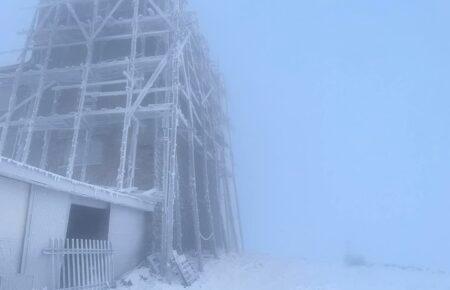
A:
<point x="81" y="264"/>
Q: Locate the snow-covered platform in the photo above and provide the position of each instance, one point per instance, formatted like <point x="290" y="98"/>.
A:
<point x="265" y="273"/>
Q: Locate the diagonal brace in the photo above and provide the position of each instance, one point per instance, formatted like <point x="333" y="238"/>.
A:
<point x="77" y="20"/>
<point x="161" y="13"/>
<point x="155" y="76"/>
<point x="110" y="14"/>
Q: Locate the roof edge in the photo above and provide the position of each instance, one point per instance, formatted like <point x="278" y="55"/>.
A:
<point x="29" y="174"/>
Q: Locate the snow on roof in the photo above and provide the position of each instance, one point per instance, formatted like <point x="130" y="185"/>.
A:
<point x="29" y="174"/>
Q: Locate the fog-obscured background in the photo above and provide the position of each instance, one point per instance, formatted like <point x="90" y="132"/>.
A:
<point x="341" y="122"/>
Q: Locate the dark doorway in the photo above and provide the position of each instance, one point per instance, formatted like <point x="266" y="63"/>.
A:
<point x="88" y="223"/>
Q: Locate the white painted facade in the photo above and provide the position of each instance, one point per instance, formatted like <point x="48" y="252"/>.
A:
<point x="128" y="234"/>
<point x="30" y="215"/>
<point x="14" y="196"/>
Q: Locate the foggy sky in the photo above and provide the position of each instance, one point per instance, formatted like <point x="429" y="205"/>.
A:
<point x="341" y="122"/>
<point x="341" y="117"/>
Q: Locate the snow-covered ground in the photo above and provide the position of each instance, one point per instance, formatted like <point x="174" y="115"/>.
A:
<point x="264" y="273"/>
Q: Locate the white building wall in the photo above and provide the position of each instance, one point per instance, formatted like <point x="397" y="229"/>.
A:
<point x="13" y="212"/>
<point x="48" y="219"/>
<point x="31" y="215"/>
<point x="128" y="235"/>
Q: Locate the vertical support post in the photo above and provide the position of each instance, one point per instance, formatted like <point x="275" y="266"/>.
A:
<point x="40" y="89"/>
<point x="47" y="137"/>
<point x="87" y="144"/>
<point x="191" y="168"/>
<point x="157" y="156"/>
<point x="133" y="153"/>
<point x="178" y="217"/>
<point x="170" y="180"/>
<point x="220" y="199"/>
<point x="226" y="199"/>
<point x="193" y="192"/>
<point x="207" y="196"/>
<point x="171" y="147"/>
<point x="83" y="91"/>
<point x="130" y="88"/>
<point x="217" y="201"/>
<point x="238" y="221"/>
<point x="17" y="79"/>
<point x="45" y="147"/>
<point x="229" y="163"/>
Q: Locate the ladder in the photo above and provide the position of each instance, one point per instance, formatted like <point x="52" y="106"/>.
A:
<point x="187" y="272"/>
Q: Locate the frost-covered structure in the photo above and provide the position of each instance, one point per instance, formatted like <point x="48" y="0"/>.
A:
<point x="121" y="94"/>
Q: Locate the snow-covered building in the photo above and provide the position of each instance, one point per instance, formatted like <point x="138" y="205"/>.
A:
<point x="114" y="145"/>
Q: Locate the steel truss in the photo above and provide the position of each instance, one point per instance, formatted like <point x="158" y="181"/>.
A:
<point x="120" y="77"/>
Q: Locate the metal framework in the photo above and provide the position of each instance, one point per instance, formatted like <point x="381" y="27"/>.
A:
<point x="122" y="94"/>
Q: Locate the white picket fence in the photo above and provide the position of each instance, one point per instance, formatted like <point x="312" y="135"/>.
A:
<point x="81" y="264"/>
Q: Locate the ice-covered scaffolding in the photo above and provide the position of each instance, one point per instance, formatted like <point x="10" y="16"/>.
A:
<point x="121" y="94"/>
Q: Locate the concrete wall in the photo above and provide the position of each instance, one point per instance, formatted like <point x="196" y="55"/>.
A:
<point x="14" y="197"/>
<point x="128" y="235"/>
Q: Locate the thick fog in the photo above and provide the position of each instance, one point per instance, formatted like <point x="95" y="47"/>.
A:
<point x="340" y="112"/>
<point x="341" y="123"/>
